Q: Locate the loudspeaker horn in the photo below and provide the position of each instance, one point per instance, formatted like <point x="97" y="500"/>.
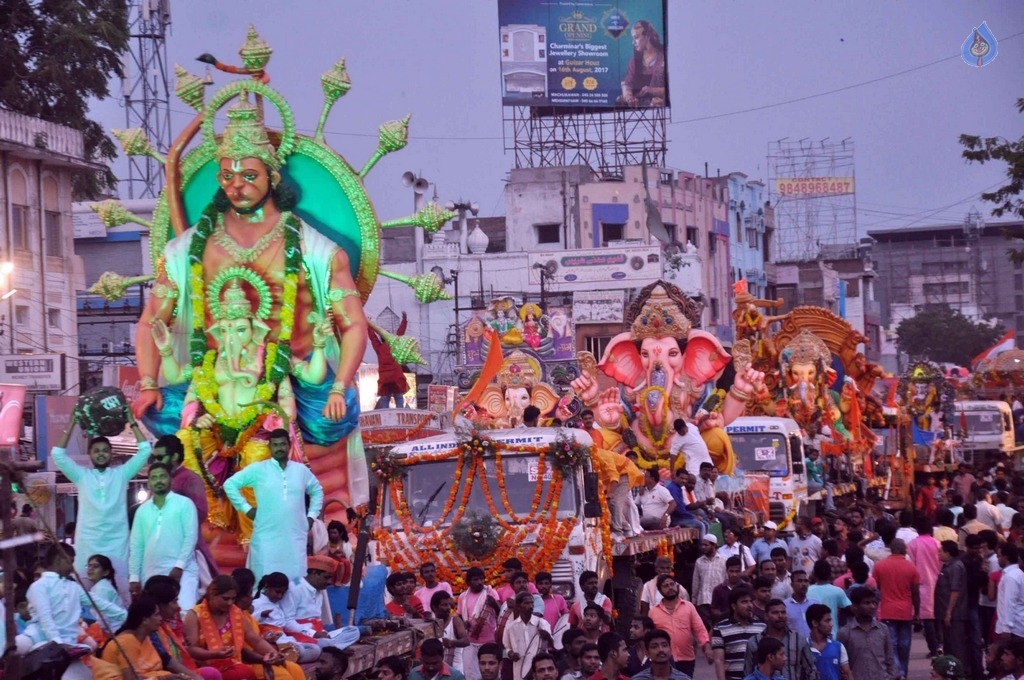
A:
<point x="408" y="178"/>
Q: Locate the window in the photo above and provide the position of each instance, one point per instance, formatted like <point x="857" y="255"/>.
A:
<point x="548" y="233"/>
<point x="714" y="309"/>
<point x="1018" y="281"/>
<point x="752" y="237"/>
<point x="1019" y="303"/>
<point x="19" y="227"/>
<point x="611" y="232"/>
<point x="712" y="245"/>
<point x="53" y="318"/>
<point x="946" y="288"/>
<point x="693" y="236"/>
<point x="21" y="315"/>
<point x="597" y="345"/>
<point x="54" y="235"/>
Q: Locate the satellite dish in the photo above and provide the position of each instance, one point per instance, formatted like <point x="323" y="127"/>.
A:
<point x="408" y="178"/>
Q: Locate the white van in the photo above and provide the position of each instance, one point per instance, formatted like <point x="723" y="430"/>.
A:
<point x="989" y="427"/>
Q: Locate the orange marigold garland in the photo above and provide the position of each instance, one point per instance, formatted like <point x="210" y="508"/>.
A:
<point x="546" y="541"/>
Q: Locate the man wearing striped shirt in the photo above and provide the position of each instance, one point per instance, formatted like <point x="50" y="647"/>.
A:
<point x="730" y="635"/>
<point x="800" y="664"/>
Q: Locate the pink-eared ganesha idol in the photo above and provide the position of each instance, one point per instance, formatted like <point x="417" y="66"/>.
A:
<point x="667" y="369"/>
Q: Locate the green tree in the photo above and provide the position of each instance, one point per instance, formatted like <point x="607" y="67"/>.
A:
<point x="54" y="56"/>
<point x="1007" y="199"/>
<point x="943" y="334"/>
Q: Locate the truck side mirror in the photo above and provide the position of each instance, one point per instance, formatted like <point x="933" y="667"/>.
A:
<point x="591" y="504"/>
<point x="590" y="487"/>
<point x="796" y="448"/>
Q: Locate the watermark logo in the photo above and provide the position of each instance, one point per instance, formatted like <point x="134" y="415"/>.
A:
<point x="980" y="47"/>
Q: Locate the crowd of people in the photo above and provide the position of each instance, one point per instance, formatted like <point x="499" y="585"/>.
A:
<point x="841" y="598"/>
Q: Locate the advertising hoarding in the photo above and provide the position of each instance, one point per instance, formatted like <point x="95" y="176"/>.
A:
<point x="586" y="54"/>
<point x="804" y="187"/>
<point x="34" y="371"/>
<point x="601" y="306"/>
<point x="597" y="268"/>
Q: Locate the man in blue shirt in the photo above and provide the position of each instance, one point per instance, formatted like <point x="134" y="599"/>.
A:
<point x="762" y="547"/>
<point x="770" y="658"/>
<point x="681" y="517"/>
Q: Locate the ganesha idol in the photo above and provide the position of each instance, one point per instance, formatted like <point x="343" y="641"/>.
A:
<point x="517" y="386"/>
<point x="666" y="367"/>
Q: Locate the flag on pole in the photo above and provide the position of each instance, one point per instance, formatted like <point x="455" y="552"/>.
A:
<point x="1008" y="341"/>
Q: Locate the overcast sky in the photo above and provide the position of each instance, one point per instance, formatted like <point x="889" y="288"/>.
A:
<point x="438" y="59"/>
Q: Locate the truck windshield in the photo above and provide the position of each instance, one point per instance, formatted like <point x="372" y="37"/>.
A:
<point x="427" y="488"/>
<point x="764" y="452"/>
<point x="980" y="422"/>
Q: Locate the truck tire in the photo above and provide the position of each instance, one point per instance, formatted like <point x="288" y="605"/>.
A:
<point x="626" y="587"/>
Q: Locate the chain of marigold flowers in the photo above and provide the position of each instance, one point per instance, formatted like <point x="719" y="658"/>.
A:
<point x="397" y="489"/>
<point x="665" y="548"/>
<point x="440" y="546"/>
<point x="606" y="527"/>
<point x="538" y="490"/>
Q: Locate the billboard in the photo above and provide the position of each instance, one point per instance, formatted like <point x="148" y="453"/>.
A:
<point x="597" y="268"/>
<point x="604" y="306"/>
<point x="808" y="187"/>
<point x="586" y="54"/>
<point x="34" y="371"/>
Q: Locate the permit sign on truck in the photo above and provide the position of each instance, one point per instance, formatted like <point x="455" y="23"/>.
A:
<point x="772" y="447"/>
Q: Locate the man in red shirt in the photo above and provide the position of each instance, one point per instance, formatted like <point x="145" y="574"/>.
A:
<point x="614" y="657"/>
<point x="900" y="602"/>
<point x="679" y="618"/>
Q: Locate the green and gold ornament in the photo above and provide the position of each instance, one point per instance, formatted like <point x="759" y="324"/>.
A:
<point x="332" y="195"/>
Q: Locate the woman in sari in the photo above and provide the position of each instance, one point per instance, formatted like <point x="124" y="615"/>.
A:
<point x="219" y="634"/>
<point x="132" y="649"/>
<point x="169" y="637"/>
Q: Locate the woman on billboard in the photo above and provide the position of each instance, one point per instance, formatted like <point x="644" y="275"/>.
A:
<point x="645" y="84"/>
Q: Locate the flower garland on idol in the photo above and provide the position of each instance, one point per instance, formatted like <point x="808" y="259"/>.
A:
<point x="460" y="539"/>
<point x="279" y="354"/>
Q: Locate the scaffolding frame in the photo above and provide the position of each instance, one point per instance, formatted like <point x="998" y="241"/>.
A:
<point x="607" y="140"/>
<point x="805" y="223"/>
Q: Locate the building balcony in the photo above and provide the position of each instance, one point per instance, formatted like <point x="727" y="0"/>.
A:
<point x="17" y="130"/>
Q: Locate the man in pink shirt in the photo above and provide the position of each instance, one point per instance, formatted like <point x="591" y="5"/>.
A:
<point x="680" y="620"/>
<point x="428" y="572"/>
<point x="899" y="587"/>
<point x="511" y="567"/>
<point x="924" y="554"/>
<point x="478" y="607"/>
<point x="554" y="604"/>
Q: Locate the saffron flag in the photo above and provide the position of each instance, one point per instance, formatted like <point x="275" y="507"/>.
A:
<point x="488" y="372"/>
<point x="1007" y="342"/>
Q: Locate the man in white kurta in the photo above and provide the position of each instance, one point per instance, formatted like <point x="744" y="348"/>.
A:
<point x="163" y="539"/>
<point x="280" y="518"/>
<point x="55" y="603"/>
<point x="102" y="521"/>
<point x="525" y="636"/>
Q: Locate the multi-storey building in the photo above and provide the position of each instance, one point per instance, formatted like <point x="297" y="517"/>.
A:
<point x="964" y="266"/>
<point x="39" y="273"/>
<point x="751" y="221"/>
